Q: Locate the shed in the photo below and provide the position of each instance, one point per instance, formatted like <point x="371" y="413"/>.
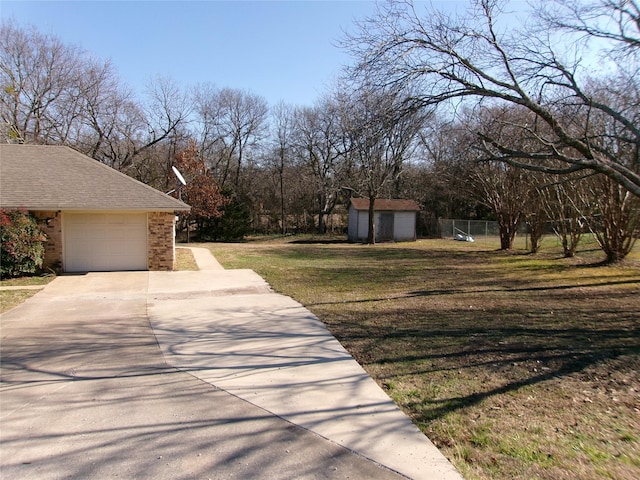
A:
<point x="95" y="218"/>
<point x="394" y="220"/>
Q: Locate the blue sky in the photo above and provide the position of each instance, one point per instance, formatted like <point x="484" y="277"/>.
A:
<point x="281" y="50"/>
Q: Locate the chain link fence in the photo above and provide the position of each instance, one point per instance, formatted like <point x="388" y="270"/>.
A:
<point x="450" y="228"/>
<point x="479" y="230"/>
<point x="486" y="232"/>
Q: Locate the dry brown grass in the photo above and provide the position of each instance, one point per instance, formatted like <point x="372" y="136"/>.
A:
<point x="185" y="260"/>
<point x="12" y="298"/>
<point x="516" y="366"/>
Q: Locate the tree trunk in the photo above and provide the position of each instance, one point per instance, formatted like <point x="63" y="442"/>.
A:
<point x="616" y="225"/>
<point x="371" y="233"/>
<point x="322" y="224"/>
<point x="508" y="228"/>
<point x="570" y="231"/>
<point x="536" y="225"/>
<point x="282" y="203"/>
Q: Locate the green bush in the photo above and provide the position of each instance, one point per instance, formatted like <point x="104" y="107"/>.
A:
<point x="22" y="243"/>
<point x="233" y="225"/>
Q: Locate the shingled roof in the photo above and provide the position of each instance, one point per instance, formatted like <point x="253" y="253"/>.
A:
<point x="46" y="177"/>
<point x="385" y="205"/>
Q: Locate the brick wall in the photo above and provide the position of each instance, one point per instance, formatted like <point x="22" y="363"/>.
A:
<point x="51" y="224"/>
<point x="161" y="241"/>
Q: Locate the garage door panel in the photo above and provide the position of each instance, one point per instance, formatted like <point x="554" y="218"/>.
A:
<point x="104" y="242"/>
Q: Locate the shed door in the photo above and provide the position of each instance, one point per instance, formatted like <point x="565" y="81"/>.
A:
<point x="104" y="242"/>
<point x="385" y="231"/>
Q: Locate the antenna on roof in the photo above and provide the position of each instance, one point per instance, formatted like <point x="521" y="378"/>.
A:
<point x="179" y="175"/>
<point x="181" y="180"/>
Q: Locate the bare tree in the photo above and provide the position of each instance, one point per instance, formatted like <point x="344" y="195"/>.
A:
<point x="445" y="147"/>
<point x="39" y="100"/>
<point x="508" y="191"/>
<point x="320" y="145"/>
<point x="153" y="132"/>
<point x="167" y="108"/>
<point x="614" y="217"/>
<point x="502" y="188"/>
<point x="449" y="59"/>
<point x="103" y="103"/>
<point x="609" y="211"/>
<point x="381" y="134"/>
<point x="283" y="126"/>
<point x="561" y="200"/>
<point x="615" y="21"/>
<point x="58" y="94"/>
<point x="230" y="123"/>
<point x="535" y="218"/>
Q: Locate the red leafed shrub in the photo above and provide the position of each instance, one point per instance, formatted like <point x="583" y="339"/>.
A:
<point x="22" y="243"/>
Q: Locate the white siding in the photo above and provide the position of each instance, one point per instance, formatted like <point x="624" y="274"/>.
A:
<point x="363" y="224"/>
<point x="358" y="224"/>
<point x="353" y="224"/>
<point x="404" y="227"/>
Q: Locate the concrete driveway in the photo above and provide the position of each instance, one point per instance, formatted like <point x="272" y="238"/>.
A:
<point x="191" y="375"/>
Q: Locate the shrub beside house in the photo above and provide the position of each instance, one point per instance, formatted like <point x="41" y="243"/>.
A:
<point x="22" y="249"/>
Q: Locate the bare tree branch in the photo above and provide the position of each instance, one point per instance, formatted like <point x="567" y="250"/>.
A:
<point x="470" y="59"/>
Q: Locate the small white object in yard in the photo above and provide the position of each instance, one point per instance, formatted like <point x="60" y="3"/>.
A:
<point x="463" y="237"/>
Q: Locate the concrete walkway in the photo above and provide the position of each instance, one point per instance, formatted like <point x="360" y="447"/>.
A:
<point x="246" y="383"/>
<point x="271" y="351"/>
<point x="204" y="259"/>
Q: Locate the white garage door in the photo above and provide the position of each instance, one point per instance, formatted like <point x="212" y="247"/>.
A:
<point x="104" y="242"/>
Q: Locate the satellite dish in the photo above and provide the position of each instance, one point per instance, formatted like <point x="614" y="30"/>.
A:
<point x="179" y="175"/>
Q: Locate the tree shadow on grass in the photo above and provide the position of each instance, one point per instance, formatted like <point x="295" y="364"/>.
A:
<point x="319" y="241"/>
<point x="441" y="408"/>
<point x="513" y="349"/>
<point x="460" y="291"/>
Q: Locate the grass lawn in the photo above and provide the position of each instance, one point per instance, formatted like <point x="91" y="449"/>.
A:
<point x="516" y="366"/>
<point x="13" y="298"/>
<point x="185" y="260"/>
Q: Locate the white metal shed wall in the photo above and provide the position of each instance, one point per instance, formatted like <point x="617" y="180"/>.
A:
<point x="352" y="230"/>
<point x="404" y="226"/>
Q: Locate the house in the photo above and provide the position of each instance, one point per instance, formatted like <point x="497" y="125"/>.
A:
<point x="394" y="220"/>
<point x="95" y="218"/>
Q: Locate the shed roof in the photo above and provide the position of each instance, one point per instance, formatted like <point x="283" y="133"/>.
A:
<point x="381" y="204"/>
<point x="48" y="177"/>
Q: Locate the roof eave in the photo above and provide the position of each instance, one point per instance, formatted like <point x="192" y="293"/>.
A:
<point x="61" y="208"/>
